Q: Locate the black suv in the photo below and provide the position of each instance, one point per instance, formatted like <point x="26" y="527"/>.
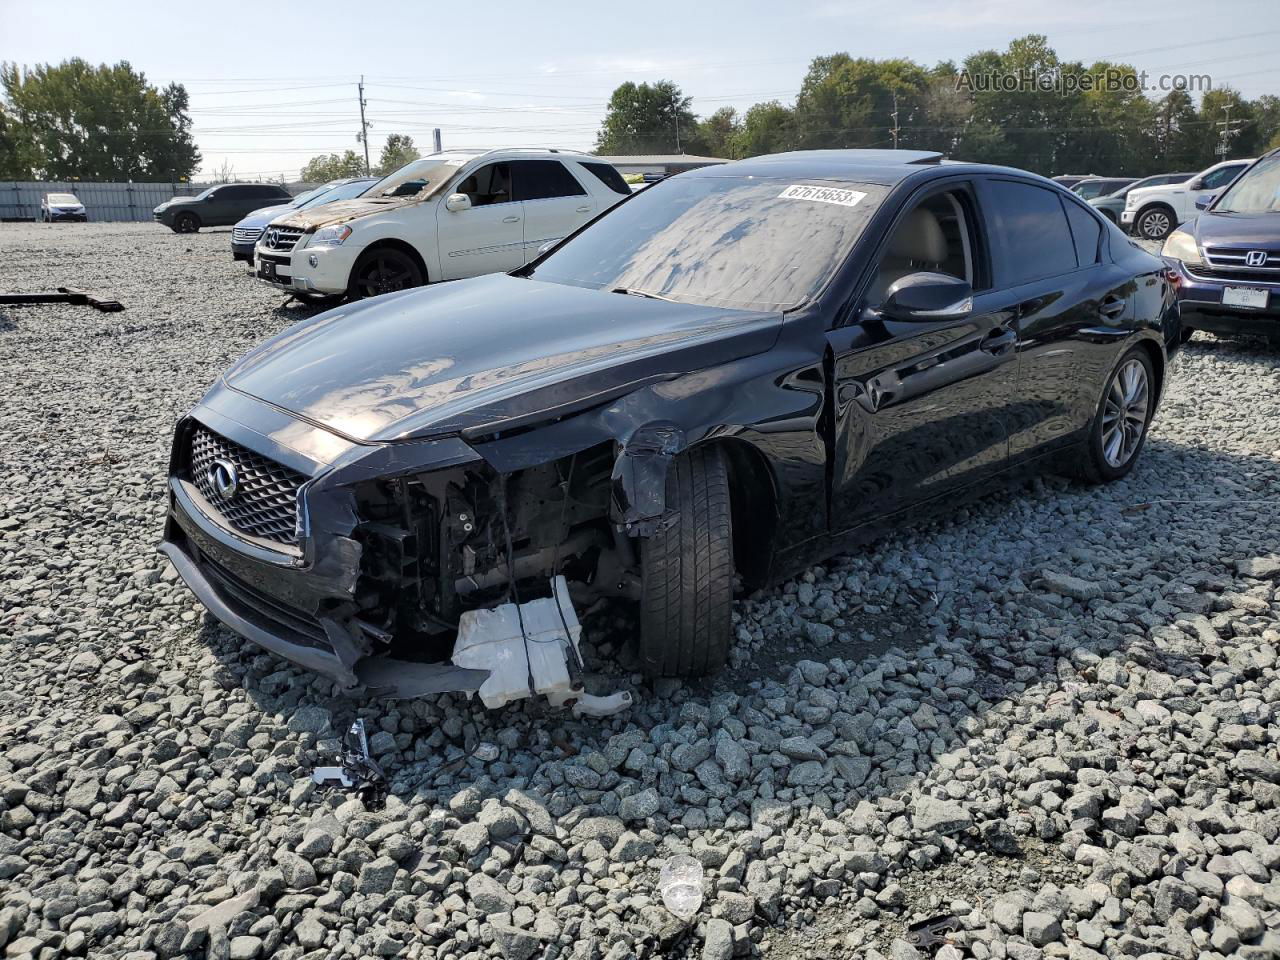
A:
<point x="218" y="206"/>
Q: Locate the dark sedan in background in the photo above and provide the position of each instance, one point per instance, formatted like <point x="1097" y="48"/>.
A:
<point x="218" y="206"/>
<point x="731" y="374"/>
<point x="245" y="234"/>
<point x="1100" y="186"/>
<point x="1227" y="261"/>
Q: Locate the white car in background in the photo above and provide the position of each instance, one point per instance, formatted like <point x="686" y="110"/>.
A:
<point x="444" y="217"/>
<point x="1152" y="213"/>
<point x="61" y="206"/>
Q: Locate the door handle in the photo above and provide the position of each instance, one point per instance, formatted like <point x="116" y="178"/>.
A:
<point x="1112" y="306"/>
<point x="999" y="341"/>
<point x="510" y="219"/>
<point x="584" y="209"/>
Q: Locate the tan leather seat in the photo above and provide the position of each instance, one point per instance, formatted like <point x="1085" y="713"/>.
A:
<point x="917" y="244"/>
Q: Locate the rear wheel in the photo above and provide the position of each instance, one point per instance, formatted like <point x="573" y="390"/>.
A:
<point x="186" y="223"/>
<point x="1155" y="223"/>
<point x="686" y="592"/>
<point x="1119" y="428"/>
<point x="385" y="270"/>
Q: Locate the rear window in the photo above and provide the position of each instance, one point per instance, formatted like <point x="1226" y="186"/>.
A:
<point x="610" y="177"/>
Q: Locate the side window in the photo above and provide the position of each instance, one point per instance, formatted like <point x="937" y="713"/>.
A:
<point x="235" y="193"/>
<point x="933" y="237"/>
<point x="1085" y="231"/>
<point x="609" y="176"/>
<point x="1029" y="228"/>
<point x="1220" y="178"/>
<point x="488" y="185"/>
<point x="544" y="179"/>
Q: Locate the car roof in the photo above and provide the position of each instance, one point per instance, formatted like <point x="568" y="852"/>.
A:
<point x="882" y="167"/>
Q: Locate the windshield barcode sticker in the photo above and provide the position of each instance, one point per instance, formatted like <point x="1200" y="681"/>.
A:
<point x="798" y="191"/>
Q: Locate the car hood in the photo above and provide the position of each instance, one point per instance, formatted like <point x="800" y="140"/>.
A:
<point x="475" y="353"/>
<point x="263" y="216"/>
<point x="340" y="211"/>
<point x="1260" y="231"/>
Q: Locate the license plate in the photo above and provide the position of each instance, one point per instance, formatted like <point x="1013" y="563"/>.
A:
<point x="1253" y="297"/>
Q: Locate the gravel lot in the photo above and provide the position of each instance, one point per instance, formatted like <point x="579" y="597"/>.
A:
<point x="1056" y="717"/>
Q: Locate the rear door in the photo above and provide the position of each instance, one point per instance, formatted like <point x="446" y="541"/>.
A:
<point x="555" y="203"/>
<point x="487" y="238"/>
<point x="1069" y="307"/>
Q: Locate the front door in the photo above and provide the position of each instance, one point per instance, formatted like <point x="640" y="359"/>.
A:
<point x="920" y="408"/>
<point x="488" y="237"/>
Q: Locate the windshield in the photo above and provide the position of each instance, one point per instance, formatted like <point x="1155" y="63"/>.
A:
<point x="205" y="192"/>
<point x="304" y="196"/>
<point x="1256" y="191"/>
<point x="428" y="174"/>
<point x="343" y="191"/>
<point x="62" y="198"/>
<point x="726" y="241"/>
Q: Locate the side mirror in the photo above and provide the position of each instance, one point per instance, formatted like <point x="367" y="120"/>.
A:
<point x="458" y="202"/>
<point x="1195" y="183"/>
<point x="1204" y="200"/>
<point x="927" y="298"/>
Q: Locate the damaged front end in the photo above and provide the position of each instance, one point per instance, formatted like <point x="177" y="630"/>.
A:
<point x="359" y="561"/>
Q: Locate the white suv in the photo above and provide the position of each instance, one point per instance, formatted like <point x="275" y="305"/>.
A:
<point x="443" y="217"/>
<point x="1153" y="212"/>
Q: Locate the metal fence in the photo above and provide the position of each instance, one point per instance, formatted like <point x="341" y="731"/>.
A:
<point x="20" y="200"/>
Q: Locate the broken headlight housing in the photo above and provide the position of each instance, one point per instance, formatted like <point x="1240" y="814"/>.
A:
<point x="331" y="236"/>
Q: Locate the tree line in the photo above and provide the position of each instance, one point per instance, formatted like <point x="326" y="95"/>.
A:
<point x="77" y="121"/>
<point x="1050" y="123"/>
<point x="398" y="150"/>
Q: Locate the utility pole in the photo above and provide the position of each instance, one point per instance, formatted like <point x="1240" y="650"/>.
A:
<point x="364" y="126"/>
<point x="1227" y="132"/>
<point x="675" y="112"/>
<point x="896" y="129"/>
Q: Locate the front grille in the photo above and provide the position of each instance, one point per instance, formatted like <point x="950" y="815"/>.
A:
<point x="246" y="234"/>
<point x="265" y="501"/>
<point x="281" y="239"/>
<point x="1239" y="257"/>
<point x="1240" y="276"/>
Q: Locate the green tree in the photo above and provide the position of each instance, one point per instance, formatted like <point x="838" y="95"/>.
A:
<point x="845" y="102"/>
<point x="648" y="118"/>
<point x="1174" y="132"/>
<point x="716" y="133"/>
<point x="332" y="166"/>
<point x="396" y="152"/>
<point x="765" y="128"/>
<point x="97" y="123"/>
<point x="17" y="152"/>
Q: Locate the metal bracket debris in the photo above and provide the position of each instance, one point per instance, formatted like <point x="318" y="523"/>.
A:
<point x="71" y="295"/>
<point x="358" y="770"/>
<point x="932" y="932"/>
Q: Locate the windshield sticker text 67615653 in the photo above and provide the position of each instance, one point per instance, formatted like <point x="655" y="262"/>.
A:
<point x="800" y="191"/>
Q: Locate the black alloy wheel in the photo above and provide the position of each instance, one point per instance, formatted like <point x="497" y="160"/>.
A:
<point x="186" y="223"/>
<point x="385" y="271"/>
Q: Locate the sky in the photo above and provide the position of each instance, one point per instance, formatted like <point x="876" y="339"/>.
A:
<point x="273" y="84"/>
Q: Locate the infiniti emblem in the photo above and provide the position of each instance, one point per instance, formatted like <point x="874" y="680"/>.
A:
<point x="224" y="479"/>
<point x="1255" y="258"/>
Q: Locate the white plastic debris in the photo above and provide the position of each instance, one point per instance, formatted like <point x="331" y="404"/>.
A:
<point x="532" y="641"/>
<point x="680" y="883"/>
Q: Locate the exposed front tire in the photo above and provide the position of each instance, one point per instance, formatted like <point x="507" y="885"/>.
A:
<point x="186" y="223"/>
<point x="384" y="270"/>
<point x="686" y="591"/>
<point x="1155" y="223"/>
<point x="1119" y="428"/>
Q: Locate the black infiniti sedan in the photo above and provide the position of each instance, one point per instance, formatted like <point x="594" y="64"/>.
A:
<point x="730" y="375"/>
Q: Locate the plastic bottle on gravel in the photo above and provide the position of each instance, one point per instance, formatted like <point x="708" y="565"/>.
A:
<point x="680" y="883"/>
